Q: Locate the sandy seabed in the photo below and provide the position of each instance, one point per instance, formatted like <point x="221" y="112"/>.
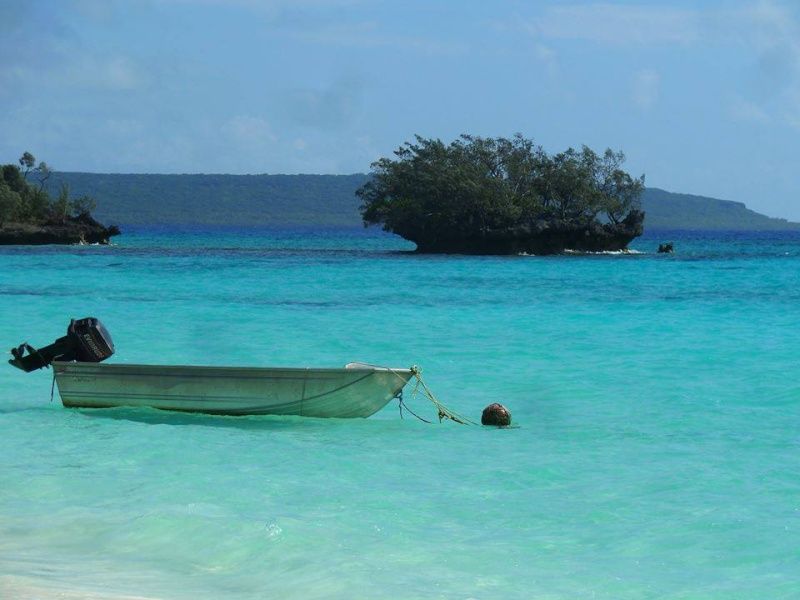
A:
<point x="22" y="588"/>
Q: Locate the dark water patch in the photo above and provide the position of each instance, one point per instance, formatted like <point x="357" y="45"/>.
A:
<point x="41" y="407"/>
<point x="305" y="303"/>
<point x="38" y="293"/>
<point x="58" y="251"/>
<point x="149" y="299"/>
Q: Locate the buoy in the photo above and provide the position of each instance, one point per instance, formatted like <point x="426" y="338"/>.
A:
<point x="496" y="414"/>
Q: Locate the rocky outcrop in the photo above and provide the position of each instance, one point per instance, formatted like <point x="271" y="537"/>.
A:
<point x="668" y="248"/>
<point x="82" y="229"/>
<point x="540" y="237"/>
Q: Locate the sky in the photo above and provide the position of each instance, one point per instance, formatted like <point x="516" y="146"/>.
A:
<point x="702" y="97"/>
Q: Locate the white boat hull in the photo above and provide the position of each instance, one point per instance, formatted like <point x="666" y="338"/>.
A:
<point x="349" y="392"/>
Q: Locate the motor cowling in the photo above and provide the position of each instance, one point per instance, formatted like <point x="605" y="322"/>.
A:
<point x="87" y="340"/>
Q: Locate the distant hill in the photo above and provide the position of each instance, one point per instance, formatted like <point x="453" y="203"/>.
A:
<point x="668" y="210"/>
<point x="329" y="200"/>
<point x="278" y="200"/>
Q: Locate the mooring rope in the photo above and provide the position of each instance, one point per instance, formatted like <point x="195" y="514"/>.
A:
<point x="444" y="412"/>
<point x="423" y="390"/>
<point x="403" y="405"/>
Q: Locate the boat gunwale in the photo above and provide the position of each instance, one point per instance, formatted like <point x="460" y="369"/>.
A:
<point x="61" y="367"/>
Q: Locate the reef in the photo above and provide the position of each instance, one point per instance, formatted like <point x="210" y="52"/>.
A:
<point x="538" y="237"/>
<point x="83" y="229"/>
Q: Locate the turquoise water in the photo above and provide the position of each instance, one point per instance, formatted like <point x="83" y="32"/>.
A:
<point x="657" y="453"/>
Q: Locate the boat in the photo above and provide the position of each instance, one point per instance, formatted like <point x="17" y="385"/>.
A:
<point x="356" y="390"/>
<point x="85" y="381"/>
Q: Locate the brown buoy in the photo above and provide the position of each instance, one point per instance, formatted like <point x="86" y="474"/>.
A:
<point x="497" y="415"/>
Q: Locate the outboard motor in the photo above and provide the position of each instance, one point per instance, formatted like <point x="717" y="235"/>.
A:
<point x="87" y="340"/>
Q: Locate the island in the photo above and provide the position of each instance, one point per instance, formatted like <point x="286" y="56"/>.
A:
<point x="503" y="196"/>
<point x="30" y="216"/>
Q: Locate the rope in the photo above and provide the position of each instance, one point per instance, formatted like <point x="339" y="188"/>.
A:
<point x="444" y="412"/>
<point x="423" y="390"/>
<point x="402" y="405"/>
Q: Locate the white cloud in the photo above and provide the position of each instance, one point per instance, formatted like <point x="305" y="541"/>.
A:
<point x="764" y="34"/>
<point x="776" y="31"/>
<point x="368" y="34"/>
<point x="646" y="89"/>
<point x="771" y="32"/>
<point x="98" y="11"/>
<point x="12" y="77"/>
<point x="46" y="62"/>
<point x="267" y="5"/>
<point x="111" y="74"/>
<point x="749" y="112"/>
<point x="619" y="24"/>
<point x="792" y="110"/>
<point x="769" y="18"/>
<point x="547" y="57"/>
<point x="249" y="129"/>
<point x="124" y="127"/>
<point x="775" y="34"/>
<point x="121" y="74"/>
<point x="332" y="107"/>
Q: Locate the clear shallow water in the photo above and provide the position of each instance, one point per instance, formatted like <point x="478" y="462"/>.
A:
<point x="657" y="400"/>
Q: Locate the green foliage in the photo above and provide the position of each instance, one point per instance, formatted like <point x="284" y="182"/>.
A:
<point x="27" y="161"/>
<point x="82" y="206"/>
<point x="61" y="204"/>
<point x="23" y="201"/>
<point x="9" y="202"/>
<point x="475" y="186"/>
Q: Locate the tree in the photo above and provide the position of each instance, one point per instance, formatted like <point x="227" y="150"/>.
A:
<point x="9" y="203"/>
<point x="28" y="202"/>
<point x="34" y="202"/>
<point x="61" y="205"/>
<point x="490" y="188"/>
<point x="564" y="183"/>
<point x="27" y="161"/>
<point x="617" y="193"/>
<point x="83" y="206"/>
<point x="12" y="175"/>
<point x="43" y="173"/>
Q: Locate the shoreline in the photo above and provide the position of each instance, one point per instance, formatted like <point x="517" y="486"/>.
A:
<point x="83" y="230"/>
